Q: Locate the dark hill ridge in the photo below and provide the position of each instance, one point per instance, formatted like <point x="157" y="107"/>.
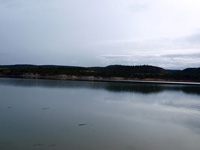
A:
<point x="131" y="71"/>
<point x="125" y="72"/>
<point x="192" y="71"/>
<point x="36" y="66"/>
<point x="136" y="69"/>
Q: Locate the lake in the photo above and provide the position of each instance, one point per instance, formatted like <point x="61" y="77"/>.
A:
<point x="80" y="115"/>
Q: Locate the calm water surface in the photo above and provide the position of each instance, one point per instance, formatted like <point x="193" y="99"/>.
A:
<point x="75" y="115"/>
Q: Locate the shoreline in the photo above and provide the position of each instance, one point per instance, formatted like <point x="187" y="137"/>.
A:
<point x="102" y="79"/>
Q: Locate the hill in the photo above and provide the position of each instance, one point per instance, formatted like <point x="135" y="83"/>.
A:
<point x="192" y="71"/>
<point x="125" y="72"/>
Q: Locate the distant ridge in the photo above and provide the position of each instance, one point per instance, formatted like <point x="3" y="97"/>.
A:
<point x="146" y="72"/>
<point x="192" y="71"/>
<point x="34" y="66"/>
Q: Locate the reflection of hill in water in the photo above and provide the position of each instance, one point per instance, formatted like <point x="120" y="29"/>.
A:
<point x="191" y="90"/>
<point x="135" y="87"/>
<point x="110" y="86"/>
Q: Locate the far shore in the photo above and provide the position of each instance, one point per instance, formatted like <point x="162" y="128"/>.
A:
<point x="103" y="79"/>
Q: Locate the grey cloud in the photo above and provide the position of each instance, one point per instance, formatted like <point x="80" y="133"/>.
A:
<point x="188" y="42"/>
<point x="175" y="61"/>
<point x="77" y="32"/>
<point x="192" y="55"/>
<point x="177" y="53"/>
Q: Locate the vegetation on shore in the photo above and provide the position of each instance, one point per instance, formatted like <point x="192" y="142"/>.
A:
<point x="125" y="72"/>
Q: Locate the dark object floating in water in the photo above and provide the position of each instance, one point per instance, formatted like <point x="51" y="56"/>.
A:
<point x="45" y="108"/>
<point x="9" y="107"/>
<point x="38" y="144"/>
<point x="82" y="124"/>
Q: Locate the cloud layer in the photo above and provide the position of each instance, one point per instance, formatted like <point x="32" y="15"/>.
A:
<point x="165" y="33"/>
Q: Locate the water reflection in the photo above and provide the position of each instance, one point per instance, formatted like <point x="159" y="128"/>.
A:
<point x="110" y="86"/>
<point x="54" y="114"/>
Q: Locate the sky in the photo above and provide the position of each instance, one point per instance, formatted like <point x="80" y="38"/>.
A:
<point x="164" y="33"/>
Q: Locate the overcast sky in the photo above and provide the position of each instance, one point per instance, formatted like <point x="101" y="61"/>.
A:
<point x="164" y="33"/>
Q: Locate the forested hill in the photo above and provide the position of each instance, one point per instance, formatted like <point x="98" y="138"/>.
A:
<point x="195" y="71"/>
<point x="126" y="72"/>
